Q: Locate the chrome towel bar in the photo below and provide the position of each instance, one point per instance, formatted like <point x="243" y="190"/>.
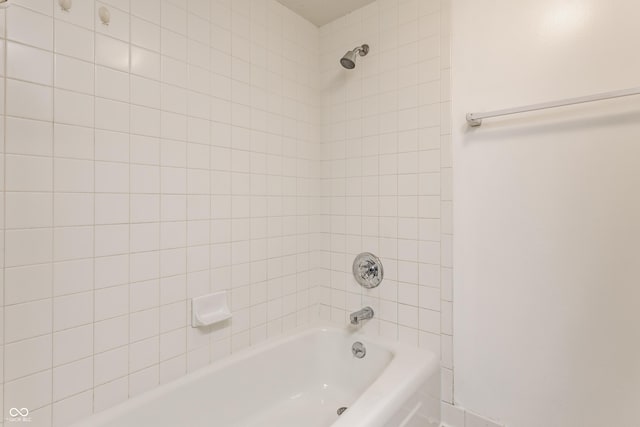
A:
<point x="475" y="119"/>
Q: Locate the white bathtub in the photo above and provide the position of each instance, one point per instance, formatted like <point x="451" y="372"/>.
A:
<point x="298" y="380"/>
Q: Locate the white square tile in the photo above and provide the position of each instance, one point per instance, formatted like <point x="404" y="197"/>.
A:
<point x="72" y="175"/>
<point x="24" y="284"/>
<point x="145" y="34"/>
<point x="72" y="344"/>
<point x="144" y="295"/>
<point x="72" y="310"/>
<point x="173" y="17"/>
<point x="173" y="207"/>
<point x="110" y="365"/>
<point x="429" y="298"/>
<point x="72" y="378"/>
<point x="72" y="243"/>
<point x="42" y="6"/>
<point x="173" y="45"/>
<point x="200" y="8"/>
<point x="122" y="5"/>
<point x="112" y="115"/>
<point x="33" y="391"/>
<point x="29" y="100"/>
<point x="27" y="210"/>
<point x="173" y="153"/>
<point x="73" y="108"/>
<point x="27" y="320"/>
<point x="142" y="381"/>
<point x="144" y="149"/>
<point x="29" y="27"/>
<point x="110" y="394"/>
<point x="73" y="141"/>
<point x="147" y="9"/>
<point x="74" y="74"/>
<point x="172" y="369"/>
<point x="112" y="84"/>
<point x="173" y="316"/>
<point x="28" y="137"/>
<point x="72" y="276"/>
<point x="143" y="354"/>
<point x="144" y="237"/>
<point x="144" y="324"/>
<point x="408" y="315"/>
<point x="111" y="177"/>
<point x="111" y="239"/>
<point x="111" y="208"/>
<point x="111" y="53"/>
<point x="145" y="92"/>
<point x="24" y="247"/>
<point x="172" y="262"/>
<point x="146" y="122"/>
<point x="172" y="344"/>
<point x="145" y="208"/>
<point x="145" y="179"/>
<point x="145" y="266"/>
<point x="111" y="146"/>
<point x="173" y="289"/>
<point x="173" y="234"/>
<point x="111" y="271"/>
<point x="74" y="41"/>
<point x="111" y="333"/>
<point x="30" y="64"/>
<point x="27" y="357"/>
<point x="145" y="63"/>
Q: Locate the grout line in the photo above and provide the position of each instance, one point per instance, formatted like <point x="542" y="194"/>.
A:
<point x="53" y="215"/>
<point x="93" y="269"/>
<point x="188" y="95"/>
<point x="4" y="205"/>
<point x="129" y="284"/>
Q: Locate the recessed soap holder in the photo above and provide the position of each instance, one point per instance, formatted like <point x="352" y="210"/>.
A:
<point x="209" y="309"/>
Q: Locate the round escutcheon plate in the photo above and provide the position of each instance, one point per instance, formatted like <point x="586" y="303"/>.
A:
<point x="368" y="271"/>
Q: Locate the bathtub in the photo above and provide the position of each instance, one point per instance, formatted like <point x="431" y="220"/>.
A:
<point x="300" y="379"/>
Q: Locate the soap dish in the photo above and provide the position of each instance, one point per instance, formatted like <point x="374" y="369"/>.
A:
<point x="209" y="309"/>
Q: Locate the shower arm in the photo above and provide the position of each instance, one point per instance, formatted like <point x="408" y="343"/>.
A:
<point x="361" y="50"/>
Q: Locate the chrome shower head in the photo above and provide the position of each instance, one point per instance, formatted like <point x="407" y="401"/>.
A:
<point x="348" y="61"/>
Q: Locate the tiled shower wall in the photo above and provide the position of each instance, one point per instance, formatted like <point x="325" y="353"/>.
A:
<point x="177" y="151"/>
<point x="169" y="154"/>
<point x="386" y="172"/>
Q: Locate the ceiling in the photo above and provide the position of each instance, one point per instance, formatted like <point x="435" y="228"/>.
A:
<point x="322" y="12"/>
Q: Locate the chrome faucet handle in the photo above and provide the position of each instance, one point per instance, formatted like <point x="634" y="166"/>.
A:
<point x="367" y="270"/>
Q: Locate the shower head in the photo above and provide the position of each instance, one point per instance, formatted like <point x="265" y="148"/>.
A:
<point x="348" y="61"/>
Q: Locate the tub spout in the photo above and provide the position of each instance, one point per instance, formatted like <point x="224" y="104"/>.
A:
<point x="360" y="315"/>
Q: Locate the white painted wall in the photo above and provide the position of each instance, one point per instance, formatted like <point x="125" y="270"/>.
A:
<point x="547" y="214"/>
